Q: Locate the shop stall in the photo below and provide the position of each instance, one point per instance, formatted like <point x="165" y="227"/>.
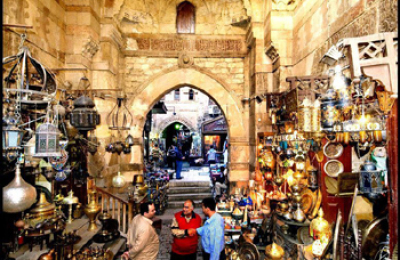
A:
<point x="323" y="188"/>
<point x="50" y="199"/>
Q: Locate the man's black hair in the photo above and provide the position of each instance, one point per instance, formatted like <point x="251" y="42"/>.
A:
<point x="222" y="168"/>
<point x="145" y="207"/>
<point x="209" y="203"/>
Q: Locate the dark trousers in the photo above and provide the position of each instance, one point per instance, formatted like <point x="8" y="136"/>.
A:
<point x="175" y="256"/>
<point x="222" y="256"/>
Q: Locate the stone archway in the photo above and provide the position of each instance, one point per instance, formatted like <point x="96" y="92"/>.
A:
<point x="152" y="91"/>
<point x="173" y="119"/>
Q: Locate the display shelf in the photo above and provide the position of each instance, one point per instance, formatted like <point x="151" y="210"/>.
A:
<point x="306" y="223"/>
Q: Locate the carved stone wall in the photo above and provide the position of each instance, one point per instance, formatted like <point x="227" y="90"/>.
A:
<point x="138" y="70"/>
<point x="316" y="30"/>
<point x="211" y="17"/>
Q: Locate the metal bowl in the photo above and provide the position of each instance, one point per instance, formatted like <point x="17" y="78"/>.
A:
<point x="237" y="216"/>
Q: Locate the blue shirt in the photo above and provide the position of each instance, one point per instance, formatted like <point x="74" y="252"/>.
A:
<point x="212" y="236"/>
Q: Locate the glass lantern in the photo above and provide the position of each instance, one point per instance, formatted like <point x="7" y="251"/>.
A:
<point x="11" y="136"/>
<point x="47" y="141"/>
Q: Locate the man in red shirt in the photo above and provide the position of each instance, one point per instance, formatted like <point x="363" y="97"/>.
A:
<point x="184" y="247"/>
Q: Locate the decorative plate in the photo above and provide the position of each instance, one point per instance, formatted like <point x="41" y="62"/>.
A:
<point x="333" y="150"/>
<point x="333" y="168"/>
<point x="307" y="201"/>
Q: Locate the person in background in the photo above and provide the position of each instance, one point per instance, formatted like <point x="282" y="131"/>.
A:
<point x="143" y="241"/>
<point x="225" y="150"/>
<point x="179" y="162"/>
<point x="219" y="181"/>
<point x="184" y="247"/>
<point x="156" y="153"/>
<point x="212" y="233"/>
<point x="171" y="156"/>
<point x="211" y="155"/>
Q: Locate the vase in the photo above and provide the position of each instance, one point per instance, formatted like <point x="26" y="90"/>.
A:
<point x="92" y="210"/>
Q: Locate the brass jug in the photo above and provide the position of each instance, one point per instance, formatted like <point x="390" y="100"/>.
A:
<point x="92" y="210"/>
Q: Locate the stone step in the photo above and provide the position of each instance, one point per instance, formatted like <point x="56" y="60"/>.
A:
<point x="184" y="190"/>
<point x="179" y="204"/>
<point x="182" y="183"/>
<point x="192" y="196"/>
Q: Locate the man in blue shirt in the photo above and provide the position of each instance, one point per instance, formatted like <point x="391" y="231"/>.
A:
<point x="212" y="232"/>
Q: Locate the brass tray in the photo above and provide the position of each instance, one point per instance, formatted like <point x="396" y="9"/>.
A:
<point x="307" y="201"/>
<point x="333" y="150"/>
<point x="333" y="168"/>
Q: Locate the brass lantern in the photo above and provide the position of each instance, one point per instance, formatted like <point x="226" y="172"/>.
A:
<point x="47" y="141"/>
<point x="12" y="136"/>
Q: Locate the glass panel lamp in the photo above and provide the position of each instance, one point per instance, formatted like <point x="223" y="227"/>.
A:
<point x="47" y="141"/>
<point x="11" y="136"/>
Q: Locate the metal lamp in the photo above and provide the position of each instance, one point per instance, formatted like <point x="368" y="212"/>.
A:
<point x="47" y="141"/>
<point x="12" y="136"/>
<point x="84" y="116"/>
<point x="120" y="118"/>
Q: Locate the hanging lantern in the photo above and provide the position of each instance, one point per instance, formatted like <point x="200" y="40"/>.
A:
<point x="120" y="118"/>
<point x="12" y="136"/>
<point x="18" y="195"/>
<point x="84" y="116"/>
<point x="47" y="141"/>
